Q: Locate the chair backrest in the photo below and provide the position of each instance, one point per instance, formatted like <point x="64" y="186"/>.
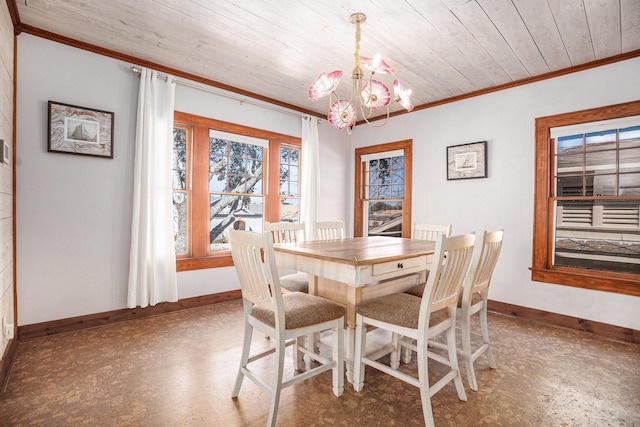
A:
<point x="485" y="256"/>
<point x="430" y="231"/>
<point x="286" y="232"/>
<point x="450" y="264"/>
<point x="329" y="230"/>
<point x="258" y="279"/>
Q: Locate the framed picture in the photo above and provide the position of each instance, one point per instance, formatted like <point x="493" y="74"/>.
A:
<point x="80" y="130"/>
<point x="466" y="161"/>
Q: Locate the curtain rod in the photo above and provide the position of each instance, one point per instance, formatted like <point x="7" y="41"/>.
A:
<point x="241" y="100"/>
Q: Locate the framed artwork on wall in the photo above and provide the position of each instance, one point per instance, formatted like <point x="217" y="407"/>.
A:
<point x="80" y="130"/>
<point x="466" y="161"/>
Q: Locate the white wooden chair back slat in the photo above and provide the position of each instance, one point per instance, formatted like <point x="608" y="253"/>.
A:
<point x="452" y="262"/>
<point x="430" y="231"/>
<point x="329" y="230"/>
<point x="286" y="232"/>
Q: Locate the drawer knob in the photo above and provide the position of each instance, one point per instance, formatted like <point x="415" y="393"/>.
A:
<point x="400" y="265"/>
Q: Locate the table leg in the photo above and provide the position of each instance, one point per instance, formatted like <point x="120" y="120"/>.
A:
<point x="350" y="350"/>
<point x="354" y="295"/>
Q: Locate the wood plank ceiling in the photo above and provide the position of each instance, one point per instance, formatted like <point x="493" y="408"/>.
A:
<point x="441" y="49"/>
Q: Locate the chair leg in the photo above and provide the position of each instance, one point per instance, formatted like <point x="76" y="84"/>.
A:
<point x="338" y="352"/>
<point x="466" y="351"/>
<point x="360" y="347"/>
<point x="423" y="379"/>
<point x="484" y="327"/>
<point x="244" y="358"/>
<point x="407" y="355"/>
<point x="397" y="349"/>
<point x="315" y="342"/>
<point x="277" y="382"/>
<point x="298" y="360"/>
<point x="453" y="360"/>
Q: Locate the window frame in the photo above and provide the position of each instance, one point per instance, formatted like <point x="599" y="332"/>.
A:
<point x="406" y="146"/>
<point x="542" y="269"/>
<point x="198" y="193"/>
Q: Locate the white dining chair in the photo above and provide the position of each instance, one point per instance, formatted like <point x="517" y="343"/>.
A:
<point x="424" y="232"/>
<point x="427" y="232"/>
<point x="290" y="232"/>
<point x="288" y="318"/>
<point x="430" y="231"/>
<point x="328" y="230"/>
<point x="474" y="297"/>
<point x="419" y="319"/>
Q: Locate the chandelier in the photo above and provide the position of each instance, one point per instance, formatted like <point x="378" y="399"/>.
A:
<point x="365" y="98"/>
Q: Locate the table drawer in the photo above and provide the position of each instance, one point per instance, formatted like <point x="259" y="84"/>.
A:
<point x="391" y="266"/>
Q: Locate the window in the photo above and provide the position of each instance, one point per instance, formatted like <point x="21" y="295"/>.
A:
<point x="383" y="190"/>
<point x="587" y="199"/>
<point x="226" y="175"/>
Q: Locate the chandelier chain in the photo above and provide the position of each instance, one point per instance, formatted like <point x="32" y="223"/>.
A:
<point x="356" y="55"/>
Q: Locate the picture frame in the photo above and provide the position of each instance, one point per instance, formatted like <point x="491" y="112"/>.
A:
<point x="466" y="161"/>
<point x="80" y="130"/>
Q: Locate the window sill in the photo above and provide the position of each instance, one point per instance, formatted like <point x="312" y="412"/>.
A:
<point x="187" y="264"/>
<point x="596" y="280"/>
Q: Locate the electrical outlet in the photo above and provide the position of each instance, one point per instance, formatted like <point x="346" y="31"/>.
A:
<point x="7" y="328"/>
<point x="8" y="331"/>
<point x="4" y="152"/>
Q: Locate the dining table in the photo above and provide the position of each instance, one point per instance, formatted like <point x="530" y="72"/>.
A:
<point x="350" y="271"/>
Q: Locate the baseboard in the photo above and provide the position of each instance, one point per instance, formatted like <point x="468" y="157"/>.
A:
<point x="37" y="330"/>
<point x="601" y="329"/>
<point x="8" y="357"/>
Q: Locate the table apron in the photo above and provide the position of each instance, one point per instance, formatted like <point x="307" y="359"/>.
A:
<point x="353" y="275"/>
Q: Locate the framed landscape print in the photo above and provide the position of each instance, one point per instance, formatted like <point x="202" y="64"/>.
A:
<point x="80" y="130"/>
<point x="467" y="161"/>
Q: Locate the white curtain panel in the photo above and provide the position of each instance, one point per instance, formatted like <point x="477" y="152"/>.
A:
<point x="309" y="198"/>
<point x="152" y="261"/>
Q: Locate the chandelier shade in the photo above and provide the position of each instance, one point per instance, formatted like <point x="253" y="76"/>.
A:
<point x="342" y="113"/>
<point x="367" y="96"/>
<point x="375" y="94"/>
<point x="403" y="96"/>
<point x="324" y="84"/>
<point x="376" y="64"/>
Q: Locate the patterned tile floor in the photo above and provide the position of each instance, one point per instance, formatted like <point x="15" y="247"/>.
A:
<point x="178" y="369"/>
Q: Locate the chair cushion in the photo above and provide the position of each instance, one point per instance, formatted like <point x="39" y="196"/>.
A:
<point x="400" y="309"/>
<point x="416" y="290"/>
<point x="301" y="310"/>
<point x="297" y="282"/>
<point x="475" y="298"/>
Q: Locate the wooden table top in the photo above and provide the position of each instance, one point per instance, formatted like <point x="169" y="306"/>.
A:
<point x="360" y="250"/>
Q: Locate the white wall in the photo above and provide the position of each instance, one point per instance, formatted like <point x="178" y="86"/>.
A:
<point x="7" y="296"/>
<point x="505" y="199"/>
<point x="74" y="212"/>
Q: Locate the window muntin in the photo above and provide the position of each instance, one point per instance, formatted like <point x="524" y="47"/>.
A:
<point x="289" y="184"/>
<point x="236" y="187"/>
<point x="383" y="190"/>
<point x="181" y="150"/>
<point x="581" y="196"/>
<point x="226" y="175"/>
<point x="593" y="232"/>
